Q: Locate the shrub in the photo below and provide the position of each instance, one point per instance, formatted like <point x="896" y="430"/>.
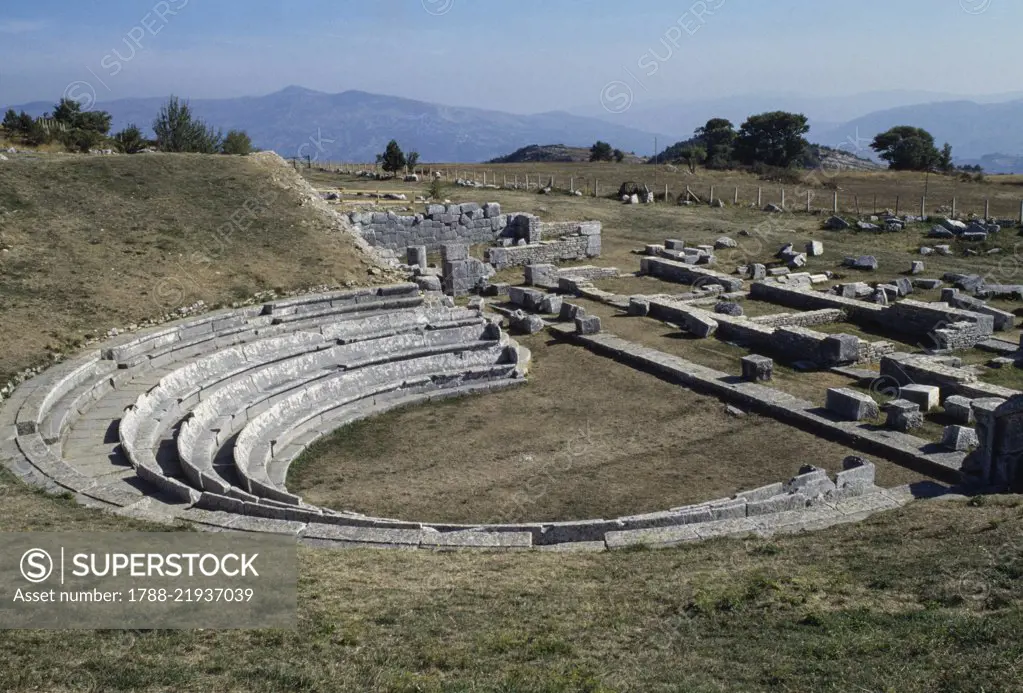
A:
<point x="177" y="130"/>
<point x="130" y="140"/>
<point x="237" y="143"/>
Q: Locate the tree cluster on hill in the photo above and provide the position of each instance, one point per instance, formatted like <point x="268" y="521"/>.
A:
<point x="602" y="151"/>
<point x="394" y="159"/>
<point x="177" y="130"/>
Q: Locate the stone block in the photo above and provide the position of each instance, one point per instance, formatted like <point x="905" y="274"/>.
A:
<point x="960" y="409"/>
<point x="525" y="323"/>
<point x="729" y="308"/>
<point x="811" y="482"/>
<point x="416" y="255"/>
<point x="857" y="473"/>
<point x="758" y="272"/>
<point x="840" y="349"/>
<point x="639" y="307"/>
<point x="904" y="415"/>
<point x="851" y="405"/>
<point x="569" y="312"/>
<point x="588" y="324"/>
<point x="917" y="267"/>
<point x="904" y="285"/>
<point x="814" y="249"/>
<point x="653" y="250"/>
<point x="492" y="210"/>
<point x="429" y="283"/>
<point x="545" y="275"/>
<point x="699" y="325"/>
<point x="453" y="252"/>
<point x="756" y="368"/>
<point x="551" y="304"/>
<point x="674" y="244"/>
<point x="927" y="397"/>
<point x="959" y="438"/>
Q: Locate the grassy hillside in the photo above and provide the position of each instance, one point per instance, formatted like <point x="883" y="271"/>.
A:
<point x="91" y="243"/>
<point x="923" y="599"/>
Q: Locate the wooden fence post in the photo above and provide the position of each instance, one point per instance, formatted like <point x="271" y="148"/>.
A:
<point x="856" y="201"/>
<point x="711" y="200"/>
<point x="898" y="200"/>
<point x="807" y="201"/>
<point x="987" y="208"/>
<point x="834" y="205"/>
<point x="736" y="199"/>
<point x="760" y="198"/>
<point x="954" y="205"/>
<point x="923" y="208"/>
<point x="783" y="198"/>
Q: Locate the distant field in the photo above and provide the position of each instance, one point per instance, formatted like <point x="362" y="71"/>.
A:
<point x="889" y="188"/>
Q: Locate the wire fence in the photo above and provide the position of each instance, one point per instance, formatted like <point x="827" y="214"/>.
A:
<point x="941" y="197"/>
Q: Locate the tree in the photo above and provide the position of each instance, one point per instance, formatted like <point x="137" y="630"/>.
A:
<point x="412" y="159"/>
<point x="177" y="130"/>
<point x="237" y="142"/>
<point x="12" y="123"/>
<point x="718" y="138"/>
<point x="693" y="155"/>
<point x="69" y="114"/>
<point x="393" y="159"/>
<point x="601" y="151"/>
<point x="80" y="140"/>
<point x="945" y="159"/>
<point x="907" y="148"/>
<point x="775" y="138"/>
<point x="130" y="140"/>
<point x="619" y="155"/>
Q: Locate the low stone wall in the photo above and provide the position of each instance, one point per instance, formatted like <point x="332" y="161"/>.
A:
<point x="898" y="447"/>
<point x="913" y="369"/>
<point x="807" y="319"/>
<point x="545" y="252"/>
<point x="791" y="343"/>
<point x="935" y="323"/>
<point x="688" y="274"/>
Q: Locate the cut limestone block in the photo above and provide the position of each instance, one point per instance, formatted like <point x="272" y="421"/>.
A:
<point x="639" y="306"/>
<point x="858" y="473"/>
<point x="551" y="304"/>
<point x="756" y="368"/>
<point x="959" y="409"/>
<point x="927" y="397"/>
<point x="569" y="312"/>
<point x="960" y="438"/>
<point x="904" y="415"/>
<point x="851" y="405"/>
<point x="589" y="324"/>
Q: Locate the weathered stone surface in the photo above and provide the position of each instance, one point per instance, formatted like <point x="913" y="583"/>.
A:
<point x="639" y="307"/>
<point x="428" y="283"/>
<point x="927" y="284"/>
<point x="927" y="397"/>
<point x="451" y="252"/>
<point x="917" y="267"/>
<point x="959" y="409"/>
<point x="756" y="368"/>
<point x="851" y="405"/>
<point x="814" y="249"/>
<point x="959" y="438"/>
<point x="525" y="323"/>
<point x="904" y="415"/>
<point x="416" y="255"/>
<point x="729" y="308"/>
<point x="551" y="304"/>
<point x="725" y="242"/>
<point x="904" y="286"/>
<point x="857" y="473"/>
<point x="862" y="262"/>
<point x="674" y="244"/>
<point x="836" y="224"/>
<point x="587" y="325"/>
<point x="569" y="312"/>
<point x="758" y="272"/>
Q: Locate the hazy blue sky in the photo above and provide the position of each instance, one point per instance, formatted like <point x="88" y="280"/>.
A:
<point x="521" y="55"/>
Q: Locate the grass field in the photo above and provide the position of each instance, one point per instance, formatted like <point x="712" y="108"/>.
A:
<point x="923" y="599"/>
<point x="586" y="438"/>
<point x="100" y="242"/>
<point x="871" y="191"/>
<point x="926" y="598"/>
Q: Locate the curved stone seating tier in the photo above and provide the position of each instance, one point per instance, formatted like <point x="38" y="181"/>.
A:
<point x="210" y="413"/>
<point x="332" y="397"/>
<point x="223" y="409"/>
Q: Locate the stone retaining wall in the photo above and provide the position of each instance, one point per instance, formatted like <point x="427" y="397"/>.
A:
<point x="809" y="318"/>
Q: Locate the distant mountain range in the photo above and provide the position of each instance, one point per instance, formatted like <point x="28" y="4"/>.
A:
<point x="356" y="126"/>
<point x="985" y="130"/>
<point x="554" y="153"/>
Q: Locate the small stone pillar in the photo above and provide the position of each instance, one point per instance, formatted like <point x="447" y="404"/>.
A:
<point x="416" y="255"/>
<point x="757" y="368"/>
